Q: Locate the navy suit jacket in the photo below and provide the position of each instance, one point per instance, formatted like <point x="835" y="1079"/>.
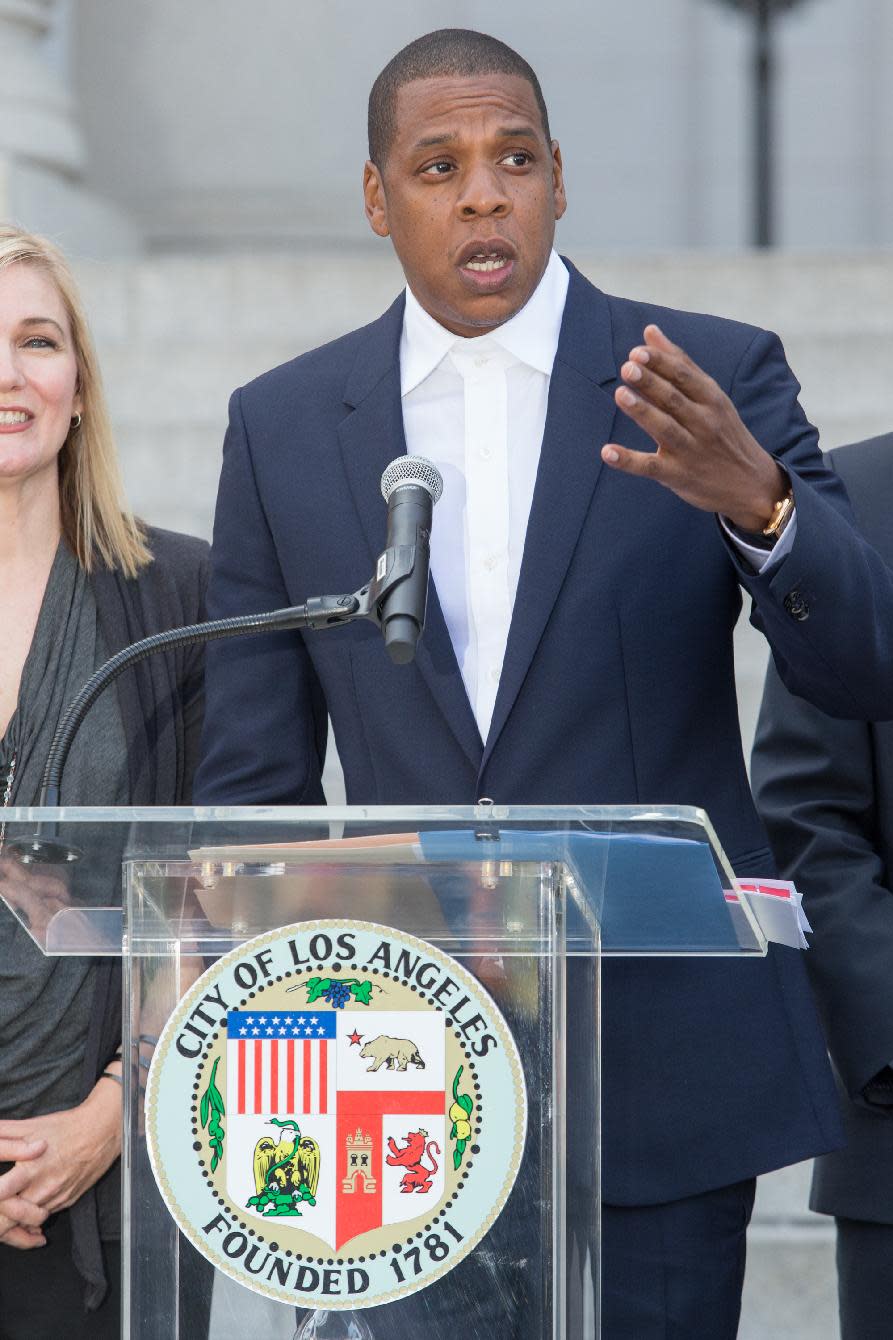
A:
<point x="617" y="686"/>
<point x="825" y="790"/>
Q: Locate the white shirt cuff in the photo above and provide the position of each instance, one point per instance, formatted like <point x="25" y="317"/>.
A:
<point x="763" y="560"/>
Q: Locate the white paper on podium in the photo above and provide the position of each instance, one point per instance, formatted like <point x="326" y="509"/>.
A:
<point x="778" y="908"/>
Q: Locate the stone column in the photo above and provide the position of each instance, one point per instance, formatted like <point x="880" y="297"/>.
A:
<point x="42" y="151"/>
<point x="37" y="124"/>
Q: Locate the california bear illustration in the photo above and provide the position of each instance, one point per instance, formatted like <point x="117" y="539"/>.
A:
<point x="391" y="1052"/>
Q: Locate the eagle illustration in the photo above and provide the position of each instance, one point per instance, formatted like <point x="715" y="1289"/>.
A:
<point x="286" y="1165"/>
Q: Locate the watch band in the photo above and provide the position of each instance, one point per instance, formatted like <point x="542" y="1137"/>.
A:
<point x="781" y="515"/>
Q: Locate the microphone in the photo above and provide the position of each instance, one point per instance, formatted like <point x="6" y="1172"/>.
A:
<point x="410" y="486"/>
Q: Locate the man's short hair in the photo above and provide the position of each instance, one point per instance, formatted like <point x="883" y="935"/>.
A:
<point x="448" y="51"/>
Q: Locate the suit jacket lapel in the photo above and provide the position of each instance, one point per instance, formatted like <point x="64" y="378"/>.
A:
<point x="371" y="436"/>
<point x="579" y="422"/>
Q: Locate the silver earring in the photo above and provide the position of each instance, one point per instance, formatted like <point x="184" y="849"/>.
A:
<point x="75" y="423"/>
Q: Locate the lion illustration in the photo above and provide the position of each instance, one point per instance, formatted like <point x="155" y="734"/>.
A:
<point x="417" y="1176"/>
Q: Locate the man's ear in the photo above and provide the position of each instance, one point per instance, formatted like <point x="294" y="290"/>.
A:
<point x="374" y="196"/>
<point x="558" y="191"/>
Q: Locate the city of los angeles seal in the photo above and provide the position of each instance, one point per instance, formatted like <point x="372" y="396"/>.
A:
<point x="335" y="1114"/>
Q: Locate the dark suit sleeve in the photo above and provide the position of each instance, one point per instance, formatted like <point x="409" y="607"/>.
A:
<point x="263" y="739"/>
<point x="827" y="607"/>
<point x="814" y="782"/>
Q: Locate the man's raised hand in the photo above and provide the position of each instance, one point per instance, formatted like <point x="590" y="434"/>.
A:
<point x="705" y="454"/>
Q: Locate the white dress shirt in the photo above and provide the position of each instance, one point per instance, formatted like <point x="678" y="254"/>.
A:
<point x="464" y="401"/>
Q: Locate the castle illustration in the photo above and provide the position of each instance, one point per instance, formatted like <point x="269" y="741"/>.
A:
<point x="359" y="1164"/>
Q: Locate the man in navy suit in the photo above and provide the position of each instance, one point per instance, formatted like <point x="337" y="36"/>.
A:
<point x="825" y="791"/>
<point x="617" y="473"/>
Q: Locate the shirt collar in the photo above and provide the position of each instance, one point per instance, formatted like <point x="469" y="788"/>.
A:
<point x="531" y="336"/>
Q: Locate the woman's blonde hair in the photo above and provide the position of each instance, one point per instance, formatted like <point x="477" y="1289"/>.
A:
<point x="96" y="521"/>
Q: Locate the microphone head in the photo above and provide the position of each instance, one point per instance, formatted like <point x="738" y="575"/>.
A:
<point x="411" y="470"/>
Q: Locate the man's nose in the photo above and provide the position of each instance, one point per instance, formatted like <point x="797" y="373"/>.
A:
<point x="483" y="193"/>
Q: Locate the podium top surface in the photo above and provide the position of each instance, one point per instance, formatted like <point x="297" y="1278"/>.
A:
<point x="309" y="815"/>
<point x="474" y="879"/>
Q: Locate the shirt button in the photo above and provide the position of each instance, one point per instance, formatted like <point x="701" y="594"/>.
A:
<point x="485" y="453"/>
<point x="491" y="562"/>
<point x="481" y="362"/>
<point x="493" y="674"/>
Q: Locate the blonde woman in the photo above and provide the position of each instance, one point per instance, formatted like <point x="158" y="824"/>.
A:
<point x="80" y="577"/>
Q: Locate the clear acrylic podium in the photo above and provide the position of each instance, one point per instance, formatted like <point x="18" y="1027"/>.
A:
<point x="526" y="900"/>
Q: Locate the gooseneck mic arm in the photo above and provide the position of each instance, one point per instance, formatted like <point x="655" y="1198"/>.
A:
<point x="44" y="845"/>
<point x="394" y="599"/>
<point x="321" y="612"/>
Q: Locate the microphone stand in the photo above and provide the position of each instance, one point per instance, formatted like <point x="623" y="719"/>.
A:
<point x="394" y="566"/>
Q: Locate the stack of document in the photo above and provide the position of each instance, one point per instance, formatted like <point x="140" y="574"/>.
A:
<point x="778" y="908"/>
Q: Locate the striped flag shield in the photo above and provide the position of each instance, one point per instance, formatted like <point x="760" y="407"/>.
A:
<point x="281" y="1063"/>
<point x="362" y="1088"/>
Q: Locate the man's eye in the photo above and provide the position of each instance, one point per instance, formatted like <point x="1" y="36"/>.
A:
<point x="439" y="169"/>
<point x="518" y="158"/>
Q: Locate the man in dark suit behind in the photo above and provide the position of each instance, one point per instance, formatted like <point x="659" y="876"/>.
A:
<point x="614" y="473"/>
<point x="825" y="791"/>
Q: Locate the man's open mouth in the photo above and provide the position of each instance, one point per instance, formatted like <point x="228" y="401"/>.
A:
<point x="485" y="261"/>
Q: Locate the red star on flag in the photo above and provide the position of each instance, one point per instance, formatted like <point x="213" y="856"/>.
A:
<point x="355" y="1038"/>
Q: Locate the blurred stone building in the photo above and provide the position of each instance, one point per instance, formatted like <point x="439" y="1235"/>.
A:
<point x="202" y="164"/>
<point x="128" y="127"/>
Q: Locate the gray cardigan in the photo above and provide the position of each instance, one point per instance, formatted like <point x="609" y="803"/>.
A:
<point x="161" y="701"/>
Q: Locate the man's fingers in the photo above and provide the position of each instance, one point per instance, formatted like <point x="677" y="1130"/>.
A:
<point x="666" y="430"/>
<point x="644" y="463"/>
<point x="664" y="394"/>
<point x="656" y="339"/>
<point x="670" y="361"/>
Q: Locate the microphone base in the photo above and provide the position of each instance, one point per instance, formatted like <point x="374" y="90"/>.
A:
<point x="42" y="849"/>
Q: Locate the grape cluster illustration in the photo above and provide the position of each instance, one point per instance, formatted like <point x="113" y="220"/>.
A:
<point x="338" y="991"/>
<point x="337" y="995"/>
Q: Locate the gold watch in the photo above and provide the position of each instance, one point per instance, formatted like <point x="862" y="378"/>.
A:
<point x="781" y="515"/>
